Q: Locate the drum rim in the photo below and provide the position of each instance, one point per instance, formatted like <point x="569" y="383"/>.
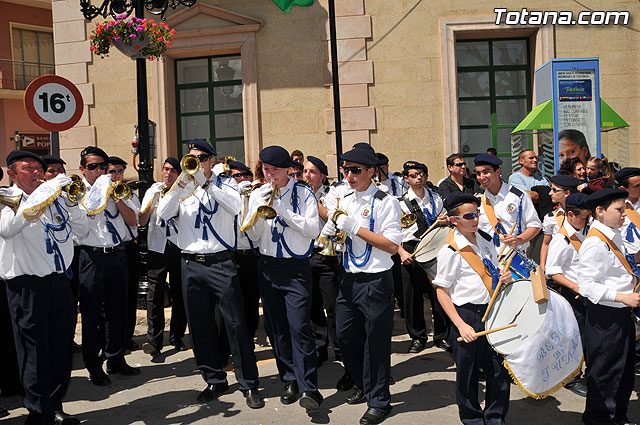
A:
<point x="445" y="230"/>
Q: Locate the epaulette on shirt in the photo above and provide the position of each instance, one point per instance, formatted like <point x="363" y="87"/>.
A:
<point x="485" y="235"/>
<point x="515" y="191"/>
<point x="380" y="195"/>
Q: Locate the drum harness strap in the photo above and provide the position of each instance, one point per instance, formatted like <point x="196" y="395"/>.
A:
<point x="483" y="266"/>
<point x="559" y="216"/>
<point x="421" y="220"/>
<point x="493" y="219"/>
<point x="635" y="222"/>
<point x="625" y="260"/>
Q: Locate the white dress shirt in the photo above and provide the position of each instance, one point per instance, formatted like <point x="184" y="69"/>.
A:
<point x="424" y="203"/>
<point x="601" y="275"/>
<point x="397" y="185"/>
<point x="454" y="272"/>
<point x="211" y="211"/>
<point x="244" y="242"/>
<point x="506" y="205"/>
<point x="134" y="204"/>
<point x="550" y="224"/>
<point x="158" y="228"/>
<point x="23" y="243"/>
<point x="300" y="228"/>
<point x="320" y="197"/>
<point x="631" y="239"/>
<point x="386" y="222"/>
<point x="562" y="257"/>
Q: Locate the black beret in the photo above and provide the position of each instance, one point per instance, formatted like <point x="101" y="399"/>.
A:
<point x="18" y="155"/>
<point x="365" y="157"/>
<point x="1" y="174"/>
<point x="92" y="150"/>
<point x="50" y="159"/>
<point x="363" y="145"/>
<point x="173" y="162"/>
<point x="320" y="165"/>
<point x="203" y="146"/>
<point x="382" y="159"/>
<point x="414" y="165"/>
<point x="565" y="180"/>
<point x="276" y="156"/>
<point x="297" y="165"/>
<point x="456" y="199"/>
<point x="487" y="159"/>
<point x="237" y="165"/>
<point x="116" y="160"/>
<point x="603" y="196"/>
<point x="627" y="172"/>
<point x="576" y="200"/>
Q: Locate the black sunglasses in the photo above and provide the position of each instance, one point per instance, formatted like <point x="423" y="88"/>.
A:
<point x="94" y="165"/>
<point x="241" y="175"/>
<point x="355" y="170"/>
<point x="116" y="171"/>
<point x="460" y="164"/>
<point x="203" y="157"/>
<point x="298" y="174"/>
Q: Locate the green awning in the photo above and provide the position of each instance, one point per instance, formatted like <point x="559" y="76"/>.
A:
<point x="541" y="118"/>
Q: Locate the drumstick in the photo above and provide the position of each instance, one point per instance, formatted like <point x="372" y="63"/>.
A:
<point x="495" y="292"/>
<point x="433" y="226"/>
<point x="490" y="331"/>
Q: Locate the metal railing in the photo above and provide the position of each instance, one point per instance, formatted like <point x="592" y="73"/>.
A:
<point x="16" y="75"/>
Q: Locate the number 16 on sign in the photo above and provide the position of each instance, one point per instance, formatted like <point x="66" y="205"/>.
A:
<point x="54" y="103"/>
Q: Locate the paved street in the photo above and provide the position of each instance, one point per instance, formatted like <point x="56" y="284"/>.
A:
<point x="165" y="393"/>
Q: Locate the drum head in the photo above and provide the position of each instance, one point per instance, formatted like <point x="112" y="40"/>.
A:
<point x="514" y="304"/>
<point x="430" y="245"/>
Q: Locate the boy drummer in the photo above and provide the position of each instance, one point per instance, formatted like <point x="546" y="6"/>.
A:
<point x="466" y="274"/>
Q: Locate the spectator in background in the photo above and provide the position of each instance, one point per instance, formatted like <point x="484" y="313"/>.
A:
<point x="573" y="167"/>
<point x="295" y="171"/>
<point x="298" y="156"/>
<point x="55" y="166"/>
<point x="526" y="178"/>
<point x="599" y="175"/>
<point x="257" y="172"/>
<point x="572" y="144"/>
<point x="457" y="180"/>
<point x="492" y="151"/>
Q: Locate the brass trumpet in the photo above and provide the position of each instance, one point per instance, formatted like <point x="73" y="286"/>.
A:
<point x="330" y="242"/>
<point x="75" y="190"/>
<point x="247" y="191"/>
<point x="226" y="170"/>
<point x="265" y="211"/>
<point x="407" y="220"/>
<point x="121" y="191"/>
<point x="12" y="201"/>
<point x="190" y="164"/>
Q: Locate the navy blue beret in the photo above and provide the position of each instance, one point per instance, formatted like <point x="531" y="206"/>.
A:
<point x="320" y="165"/>
<point x="382" y="158"/>
<point x="602" y="196"/>
<point x="18" y="155"/>
<point x="627" y="172"/>
<point x="203" y="146"/>
<point x="363" y="145"/>
<point x="237" y="165"/>
<point x="92" y="150"/>
<point x="414" y="165"/>
<point x="565" y="180"/>
<point x="173" y="162"/>
<point x="297" y="165"/>
<point x="456" y="199"/>
<point x="576" y="200"/>
<point x="116" y="160"/>
<point x="276" y="156"/>
<point x="365" y="157"/>
<point x="487" y="159"/>
<point x="50" y="159"/>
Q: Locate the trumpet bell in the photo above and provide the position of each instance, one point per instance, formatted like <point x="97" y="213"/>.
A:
<point x="12" y="201"/>
<point x="121" y="191"/>
<point x="267" y="212"/>
<point x="408" y="220"/>
<point x="190" y="164"/>
<point x="329" y="249"/>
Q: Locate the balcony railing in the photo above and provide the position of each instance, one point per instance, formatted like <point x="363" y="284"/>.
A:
<point x="16" y="75"/>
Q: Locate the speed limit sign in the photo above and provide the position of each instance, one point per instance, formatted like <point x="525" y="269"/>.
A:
<point x="53" y="102"/>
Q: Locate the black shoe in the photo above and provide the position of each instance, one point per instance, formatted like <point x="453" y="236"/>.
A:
<point x="253" y="398"/>
<point x="289" y="394"/>
<point x="212" y="391"/>
<point x="374" y="416"/>
<point x="123" y="369"/>
<point x="417" y="346"/>
<point x="356" y="397"/>
<point x="179" y="345"/>
<point x="443" y="344"/>
<point x="99" y="378"/>
<point x="311" y="400"/>
<point x="3" y="412"/>
<point x="577" y="387"/>
<point x="345" y="383"/>
<point x="150" y="349"/>
<point x="62" y="418"/>
<point x="132" y="346"/>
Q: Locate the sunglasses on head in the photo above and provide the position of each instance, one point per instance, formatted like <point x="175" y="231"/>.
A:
<point x="95" y="165"/>
<point x="241" y="175"/>
<point x="468" y="216"/>
<point x="116" y="171"/>
<point x="298" y="174"/>
<point x="558" y="189"/>
<point x="355" y="170"/>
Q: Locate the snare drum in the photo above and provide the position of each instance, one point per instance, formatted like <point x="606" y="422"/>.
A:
<point x="519" y="265"/>
<point x="429" y="246"/>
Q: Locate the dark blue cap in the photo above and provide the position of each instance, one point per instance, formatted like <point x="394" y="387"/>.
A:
<point x="237" y="165"/>
<point x="365" y="157"/>
<point x="456" y="199"/>
<point x="92" y="150"/>
<point x="414" y="165"/>
<point x="565" y="180"/>
<point x="173" y="162"/>
<point x="627" y="172"/>
<point x="363" y="145"/>
<point x="320" y="165"/>
<point x="203" y="146"/>
<point x="576" y="200"/>
<point x="297" y="165"/>
<point x="603" y="196"/>
<point x="276" y="156"/>
<point x="487" y="159"/>
<point x="116" y="160"/>
<point x="382" y="159"/>
<point x="18" y="155"/>
<point x="50" y="159"/>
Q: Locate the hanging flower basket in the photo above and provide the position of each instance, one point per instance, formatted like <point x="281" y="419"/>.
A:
<point x="135" y="37"/>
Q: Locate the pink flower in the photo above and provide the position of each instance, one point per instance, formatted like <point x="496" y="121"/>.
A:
<point x="132" y="36"/>
<point x="116" y="39"/>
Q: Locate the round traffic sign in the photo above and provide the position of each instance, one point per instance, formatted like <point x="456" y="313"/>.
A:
<point x="53" y="102"/>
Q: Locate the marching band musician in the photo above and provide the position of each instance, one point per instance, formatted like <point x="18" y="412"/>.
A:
<point x="35" y="255"/>
<point x="286" y="242"/>
<point x="103" y="276"/>
<point x="629" y="179"/>
<point x="396" y="186"/>
<point x="364" y="307"/>
<point x="163" y="259"/>
<point x="466" y="277"/>
<point x="54" y="166"/>
<point x="504" y="207"/>
<point x="606" y="277"/>
<point x="426" y="205"/>
<point x="206" y="206"/>
<point x="563" y="261"/>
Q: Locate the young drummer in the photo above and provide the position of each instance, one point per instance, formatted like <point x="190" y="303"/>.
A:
<point x="466" y="275"/>
<point x="607" y="277"/>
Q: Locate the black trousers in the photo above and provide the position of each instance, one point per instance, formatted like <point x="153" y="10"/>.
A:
<point x="325" y="272"/>
<point x="285" y="288"/>
<point x="364" y="318"/>
<point x="9" y="375"/>
<point x="610" y="341"/>
<point x="42" y="313"/>
<point x="103" y="287"/>
<point x="133" y="272"/>
<point x="579" y="307"/>
<point x="469" y="358"/>
<point x="398" y="291"/>
<point x="205" y="285"/>
<point x="161" y="265"/>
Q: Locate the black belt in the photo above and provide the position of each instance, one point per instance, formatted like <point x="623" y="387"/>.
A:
<point x="208" y="258"/>
<point x="103" y="249"/>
